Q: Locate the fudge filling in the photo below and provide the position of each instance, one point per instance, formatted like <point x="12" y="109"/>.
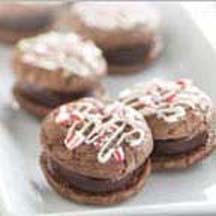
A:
<point x="94" y="185"/>
<point x="179" y="146"/>
<point x="128" y="55"/>
<point x="51" y="98"/>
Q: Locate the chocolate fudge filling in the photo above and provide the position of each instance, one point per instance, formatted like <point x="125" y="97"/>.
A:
<point x="48" y="97"/>
<point x="179" y="146"/>
<point x="27" y="22"/>
<point x="128" y="55"/>
<point x="89" y="184"/>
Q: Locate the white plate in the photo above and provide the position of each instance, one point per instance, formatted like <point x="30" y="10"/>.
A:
<point x="23" y="189"/>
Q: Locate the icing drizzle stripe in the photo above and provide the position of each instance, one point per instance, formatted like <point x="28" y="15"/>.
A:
<point x="108" y="130"/>
<point x="168" y="100"/>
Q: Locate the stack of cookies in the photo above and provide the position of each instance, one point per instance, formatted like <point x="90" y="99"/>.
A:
<point x="99" y="151"/>
<point x="55" y="68"/>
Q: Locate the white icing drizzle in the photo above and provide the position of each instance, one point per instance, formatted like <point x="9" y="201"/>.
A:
<point x="66" y="51"/>
<point x="77" y="111"/>
<point x="107" y="128"/>
<point x="168" y="100"/>
<point x="122" y="117"/>
<point x="116" y="15"/>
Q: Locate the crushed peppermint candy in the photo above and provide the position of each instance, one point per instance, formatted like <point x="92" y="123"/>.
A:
<point x="109" y="15"/>
<point x="107" y="128"/>
<point x="168" y="100"/>
<point x="68" y="52"/>
<point x="67" y="114"/>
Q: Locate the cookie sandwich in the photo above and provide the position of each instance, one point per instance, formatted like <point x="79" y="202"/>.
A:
<point x="127" y="32"/>
<point x="95" y="154"/>
<point x="54" y="68"/>
<point x="181" y="118"/>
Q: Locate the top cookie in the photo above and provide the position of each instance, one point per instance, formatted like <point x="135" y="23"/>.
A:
<point x="174" y="109"/>
<point x="114" y="139"/>
<point x="124" y="22"/>
<point x="116" y="15"/>
<point x="67" y="51"/>
<point x="66" y="55"/>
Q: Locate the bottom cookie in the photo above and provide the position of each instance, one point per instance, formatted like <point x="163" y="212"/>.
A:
<point x="34" y="108"/>
<point x="183" y="160"/>
<point x="38" y="109"/>
<point x="90" y="198"/>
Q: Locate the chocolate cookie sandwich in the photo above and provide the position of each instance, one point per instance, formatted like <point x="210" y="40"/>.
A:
<point x="54" y="68"/>
<point x="19" y="20"/>
<point x="127" y="32"/>
<point x="95" y="154"/>
<point x="180" y="116"/>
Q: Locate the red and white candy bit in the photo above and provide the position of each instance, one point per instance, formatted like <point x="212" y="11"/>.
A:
<point x="74" y="137"/>
<point x="168" y="100"/>
<point x="65" y="117"/>
<point x="105" y="131"/>
<point x="170" y="97"/>
<point x="66" y="51"/>
<point x="121" y="118"/>
<point x="62" y="116"/>
<point x="98" y="142"/>
<point x="94" y="102"/>
<point x="119" y="154"/>
<point x="90" y="105"/>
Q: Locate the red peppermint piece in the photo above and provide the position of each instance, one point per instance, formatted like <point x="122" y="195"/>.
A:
<point x="62" y="119"/>
<point x="64" y="122"/>
<point x="170" y="98"/>
<point x="74" y="117"/>
<point x="97" y="144"/>
<point x="119" y="154"/>
<point x="99" y="141"/>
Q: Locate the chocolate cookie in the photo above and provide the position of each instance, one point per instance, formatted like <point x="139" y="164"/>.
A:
<point x="127" y="32"/>
<point x="19" y="20"/>
<point x="56" y="68"/>
<point x="180" y="116"/>
<point x="96" y="154"/>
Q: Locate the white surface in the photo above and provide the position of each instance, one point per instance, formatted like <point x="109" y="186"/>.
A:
<point x="204" y="15"/>
<point x="187" y="54"/>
